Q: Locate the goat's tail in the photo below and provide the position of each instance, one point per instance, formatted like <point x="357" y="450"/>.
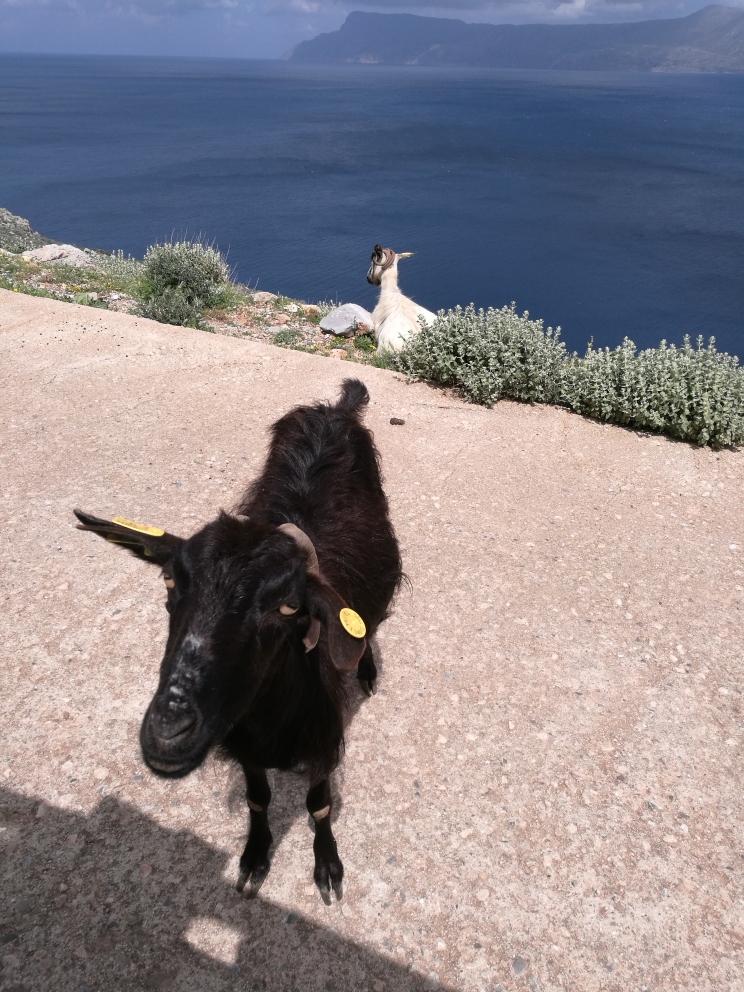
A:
<point x="354" y="396"/>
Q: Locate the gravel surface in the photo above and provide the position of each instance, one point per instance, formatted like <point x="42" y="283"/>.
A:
<point x="546" y="792"/>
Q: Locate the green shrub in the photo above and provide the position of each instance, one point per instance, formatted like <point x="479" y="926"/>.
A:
<point x="288" y="336"/>
<point x="123" y="270"/>
<point x="487" y="355"/>
<point x="365" y="343"/>
<point x="179" y="279"/>
<point x="691" y="393"/>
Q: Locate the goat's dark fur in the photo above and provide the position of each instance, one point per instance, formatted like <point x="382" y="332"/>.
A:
<point x="236" y="674"/>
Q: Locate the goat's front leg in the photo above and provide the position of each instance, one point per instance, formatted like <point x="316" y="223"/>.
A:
<point x="329" y="872"/>
<point x="254" y="863"/>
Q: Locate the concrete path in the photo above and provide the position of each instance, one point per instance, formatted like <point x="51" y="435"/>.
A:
<point x="545" y="794"/>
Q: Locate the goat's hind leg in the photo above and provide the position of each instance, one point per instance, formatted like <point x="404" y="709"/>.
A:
<point x="367" y="671"/>
<point x="329" y="872"/>
<point x="254" y="862"/>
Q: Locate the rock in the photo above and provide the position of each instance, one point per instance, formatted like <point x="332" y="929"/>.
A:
<point x="263" y="297"/>
<point x="282" y="319"/>
<point x="291" y="308"/>
<point x="100" y="774"/>
<point x="345" y="321"/>
<point x="397" y="421"/>
<point x="63" y="254"/>
<point x="338" y="353"/>
<point x="16" y="234"/>
<point x="519" y="965"/>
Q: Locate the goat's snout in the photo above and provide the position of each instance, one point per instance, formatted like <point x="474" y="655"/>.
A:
<point x="171" y="734"/>
<point x="172" y="718"/>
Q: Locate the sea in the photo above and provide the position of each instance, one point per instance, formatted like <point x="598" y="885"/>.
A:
<point x="609" y="204"/>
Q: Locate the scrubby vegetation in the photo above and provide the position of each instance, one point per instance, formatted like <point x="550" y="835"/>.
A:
<point x="688" y="392"/>
<point x="180" y="279"/>
<point x="74" y="284"/>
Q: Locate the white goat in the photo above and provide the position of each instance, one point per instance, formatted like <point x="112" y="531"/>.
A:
<point x="395" y="317"/>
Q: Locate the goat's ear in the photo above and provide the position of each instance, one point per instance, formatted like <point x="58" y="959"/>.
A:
<point x="151" y="544"/>
<point x="326" y="605"/>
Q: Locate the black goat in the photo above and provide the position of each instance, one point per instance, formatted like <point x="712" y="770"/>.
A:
<point x="268" y="610"/>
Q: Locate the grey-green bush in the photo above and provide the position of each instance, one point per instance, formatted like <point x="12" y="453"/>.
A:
<point x="691" y="393"/>
<point x="179" y="279"/>
<point x="487" y="355"/>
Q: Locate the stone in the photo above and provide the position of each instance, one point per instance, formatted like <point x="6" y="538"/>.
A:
<point x="263" y="297"/>
<point x="397" y="421"/>
<point x="281" y="319"/>
<point x="518" y="965"/>
<point x="338" y="353"/>
<point x="100" y="774"/>
<point x="345" y="321"/>
<point x="63" y="254"/>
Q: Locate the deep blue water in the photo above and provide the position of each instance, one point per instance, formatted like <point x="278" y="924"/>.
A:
<point x="611" y="204"/>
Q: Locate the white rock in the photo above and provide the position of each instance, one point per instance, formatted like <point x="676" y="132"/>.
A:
<point x="65" y="254"/>
<point x="345" y="321"/>
<point x="263" y="297"/>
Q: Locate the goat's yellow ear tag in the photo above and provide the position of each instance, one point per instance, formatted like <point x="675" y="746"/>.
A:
<point x="140" y="528"/>
<point x="352" y="623"/>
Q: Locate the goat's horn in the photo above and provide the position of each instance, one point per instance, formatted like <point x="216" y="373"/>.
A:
<point x="241" y="517"/>
<point x="388" y="257"/>
<point x="406" y="254"/>
<point x="305" y="543"/>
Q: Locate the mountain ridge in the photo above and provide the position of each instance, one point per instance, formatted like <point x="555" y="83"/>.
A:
<point x="709" y="40"/>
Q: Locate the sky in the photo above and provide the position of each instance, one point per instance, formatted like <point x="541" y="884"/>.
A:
<point x="265" y="29"/>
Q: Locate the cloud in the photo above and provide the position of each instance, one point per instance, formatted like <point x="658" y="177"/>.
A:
<point x="314" y="15"/>
<point x="151" y="8"/>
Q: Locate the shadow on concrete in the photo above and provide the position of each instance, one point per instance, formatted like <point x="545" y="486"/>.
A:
<point x="112" y="900"/>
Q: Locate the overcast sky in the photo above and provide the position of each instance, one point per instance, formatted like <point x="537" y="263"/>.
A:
<point x="265" y="28"/>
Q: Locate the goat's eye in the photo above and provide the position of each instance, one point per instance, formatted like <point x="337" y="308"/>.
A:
<point x="287" y="610"/>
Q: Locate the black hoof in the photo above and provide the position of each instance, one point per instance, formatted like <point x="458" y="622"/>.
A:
<point x="329" y="877"/>
<point x="253" y="872"/>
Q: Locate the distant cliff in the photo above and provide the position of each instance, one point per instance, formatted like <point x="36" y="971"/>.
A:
<point x="710" y="40"/>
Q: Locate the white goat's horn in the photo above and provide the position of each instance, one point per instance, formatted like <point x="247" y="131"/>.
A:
<point x="241" y="517"/>
<point x="305" y="543"/>
<point x="406" y="254"/>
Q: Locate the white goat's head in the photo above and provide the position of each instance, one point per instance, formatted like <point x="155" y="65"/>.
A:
<point x="382" y="260"/>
